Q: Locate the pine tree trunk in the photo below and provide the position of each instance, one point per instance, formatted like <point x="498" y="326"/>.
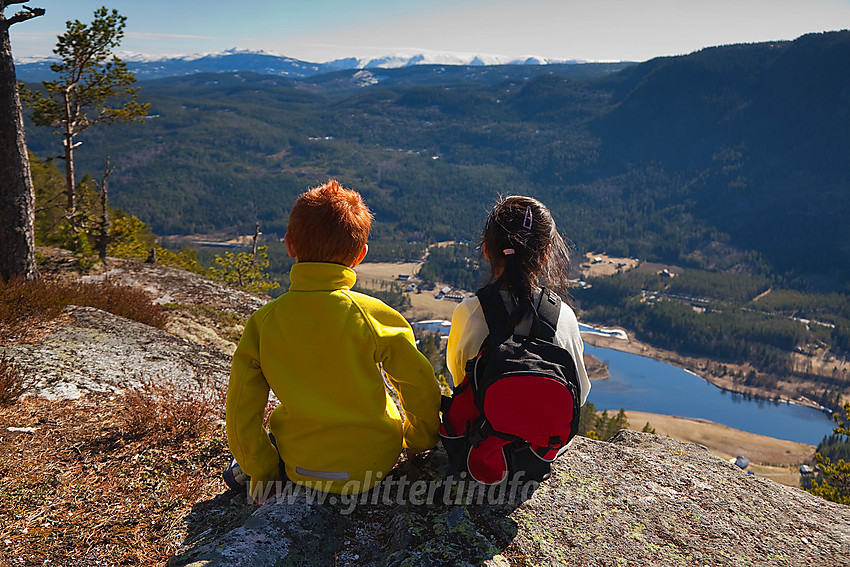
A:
<point x="103" y="240"/>
<point x="17" y="236"/>
<point x="70" y="182"/>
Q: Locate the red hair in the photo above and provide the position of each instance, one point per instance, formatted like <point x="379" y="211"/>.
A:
<point x="329" y="224"/>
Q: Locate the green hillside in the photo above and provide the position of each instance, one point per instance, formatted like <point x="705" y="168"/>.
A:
<point x="733" y="157"/>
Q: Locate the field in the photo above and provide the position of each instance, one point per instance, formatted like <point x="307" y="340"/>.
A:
<point x="594" y="265"/>
<point x="384" y="271"/>
<point x="424" y="305"/>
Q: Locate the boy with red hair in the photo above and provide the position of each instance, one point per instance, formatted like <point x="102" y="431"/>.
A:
<point x="320" y="348"/>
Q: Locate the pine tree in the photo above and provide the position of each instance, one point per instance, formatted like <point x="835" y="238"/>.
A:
<point x="602" y="427"/>
<point x="91" y="77"/>
<point x="246" y="270"/>
<point x="834" y="482"/>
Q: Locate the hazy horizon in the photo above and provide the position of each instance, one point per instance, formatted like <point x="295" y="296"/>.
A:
<point x="325" y="30"/>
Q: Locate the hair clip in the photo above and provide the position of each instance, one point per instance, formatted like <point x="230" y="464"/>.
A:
<point x="526" y="222"/>
<point x="508" y="251"/>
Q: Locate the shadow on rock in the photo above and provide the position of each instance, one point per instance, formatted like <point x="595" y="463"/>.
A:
<point x="413" y="517"/>
<point x="214" y="518"/>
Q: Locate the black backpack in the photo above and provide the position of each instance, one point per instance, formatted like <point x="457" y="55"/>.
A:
<point x="518" y="404"/>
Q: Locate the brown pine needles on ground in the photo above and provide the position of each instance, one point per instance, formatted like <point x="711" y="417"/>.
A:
<point x="80" y="488"/>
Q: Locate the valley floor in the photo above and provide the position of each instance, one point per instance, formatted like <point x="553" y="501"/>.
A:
<point x="424" y="305"/>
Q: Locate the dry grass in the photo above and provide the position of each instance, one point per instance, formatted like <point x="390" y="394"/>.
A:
<point x="26" y="305"/>
<point x="423" y="305"/>
<point x="125" y="301"/>
<point x="12" y="383"/>
<point x="79" y="490"/>
<point x="161" y="411"/>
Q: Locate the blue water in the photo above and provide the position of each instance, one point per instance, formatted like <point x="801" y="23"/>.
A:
<point x="643" y="384"/>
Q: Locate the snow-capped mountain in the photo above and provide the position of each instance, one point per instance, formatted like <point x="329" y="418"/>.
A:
<point x="269" y="63"/>
<point x="438" y="58"/>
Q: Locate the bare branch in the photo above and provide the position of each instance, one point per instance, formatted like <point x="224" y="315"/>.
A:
<point x="107" y="171"/>
<point x="23" y="16"/>
<point x="103" y="240"/>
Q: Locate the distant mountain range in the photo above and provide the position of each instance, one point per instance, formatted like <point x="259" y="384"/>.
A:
<point x="266" y="63"/>
<point x="734" y="157"/>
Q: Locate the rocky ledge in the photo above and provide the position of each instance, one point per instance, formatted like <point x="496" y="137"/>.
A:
<point x="640" y="499"/>
<point x="95" y="351"/>
<point x="88" y="350"/>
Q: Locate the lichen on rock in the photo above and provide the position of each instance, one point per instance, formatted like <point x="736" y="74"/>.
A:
<point x="640" y="499"/>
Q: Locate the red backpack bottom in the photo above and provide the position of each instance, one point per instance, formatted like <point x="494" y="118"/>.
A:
<point x="528" y="424"/>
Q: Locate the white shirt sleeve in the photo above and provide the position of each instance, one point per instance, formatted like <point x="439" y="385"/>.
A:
<point x="467" y="333"/>
<point x="569" y="338"/>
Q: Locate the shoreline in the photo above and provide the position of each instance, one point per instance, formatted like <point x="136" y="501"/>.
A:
<point x="698" y="366"/>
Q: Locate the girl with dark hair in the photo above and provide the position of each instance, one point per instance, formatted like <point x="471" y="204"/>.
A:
<point x="526" y="254"/>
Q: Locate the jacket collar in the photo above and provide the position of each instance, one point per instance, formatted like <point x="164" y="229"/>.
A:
<point x="321" y="276"/>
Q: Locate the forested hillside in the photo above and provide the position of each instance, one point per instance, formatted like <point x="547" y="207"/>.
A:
<point x="734" y="157"/>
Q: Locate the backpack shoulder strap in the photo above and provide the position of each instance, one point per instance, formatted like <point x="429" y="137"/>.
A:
<point x="545" y="325"/>
<point x="495" y="312"/>
<point x="500" y="322"/>
<point x="550" y="307"/>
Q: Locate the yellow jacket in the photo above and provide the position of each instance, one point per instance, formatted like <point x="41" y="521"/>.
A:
<point x="318" y="348"/>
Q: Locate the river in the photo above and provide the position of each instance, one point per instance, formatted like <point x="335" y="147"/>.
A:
<point x="643" y="384"/>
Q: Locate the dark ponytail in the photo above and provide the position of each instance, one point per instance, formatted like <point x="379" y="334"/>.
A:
<point x="524" y="245"/>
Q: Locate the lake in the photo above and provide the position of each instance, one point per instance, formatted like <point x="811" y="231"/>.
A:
<point x="643" y="384"/>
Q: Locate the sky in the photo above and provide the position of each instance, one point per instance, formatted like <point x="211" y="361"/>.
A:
<point x="323" y="30"/>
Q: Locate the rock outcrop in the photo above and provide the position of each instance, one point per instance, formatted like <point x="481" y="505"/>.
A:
<point x="95" y="351"/>
<point x="88" y="350"/>
<point x="640" y="499"/>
